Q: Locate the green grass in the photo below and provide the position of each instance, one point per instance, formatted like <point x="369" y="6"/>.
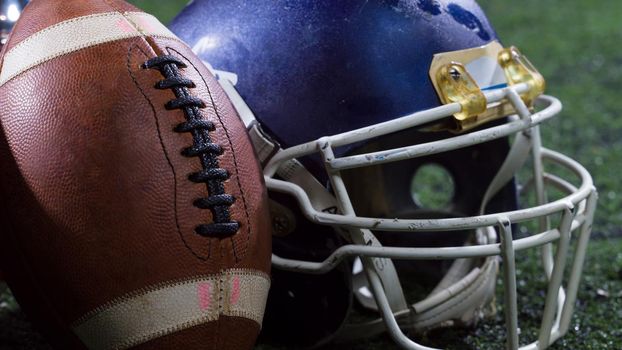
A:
<point x="576" y="45"/>
<point x="165" y="10"/>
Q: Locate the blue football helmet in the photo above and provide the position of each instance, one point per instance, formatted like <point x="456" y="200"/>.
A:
<point x="390" y="133"/>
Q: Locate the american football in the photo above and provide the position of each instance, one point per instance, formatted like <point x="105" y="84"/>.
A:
<point x="133" y="208"/>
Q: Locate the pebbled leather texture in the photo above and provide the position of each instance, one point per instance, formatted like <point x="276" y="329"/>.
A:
<point x="96" y="197"/>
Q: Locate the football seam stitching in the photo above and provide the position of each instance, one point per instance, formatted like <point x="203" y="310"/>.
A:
<point x="221" y="213"/>
<point x="242" y="194"/>
<point x="166" y="155"/>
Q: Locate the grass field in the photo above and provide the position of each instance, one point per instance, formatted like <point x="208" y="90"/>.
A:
<point x="576" y="45"/>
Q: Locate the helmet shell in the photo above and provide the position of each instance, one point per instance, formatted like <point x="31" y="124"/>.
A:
<point x="312" y="68"/>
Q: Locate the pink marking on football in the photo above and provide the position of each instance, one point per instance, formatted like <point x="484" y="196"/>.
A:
<point x="205" y="298"/>
<point x="235" y="293"/>
<point x="145" y="24"/>
<point x="125" y="26"/>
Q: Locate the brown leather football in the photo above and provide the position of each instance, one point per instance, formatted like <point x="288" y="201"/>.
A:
<point x="133" y="210"/>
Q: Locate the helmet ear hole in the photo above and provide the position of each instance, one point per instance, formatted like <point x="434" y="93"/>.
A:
<point x="432" y="187"/>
